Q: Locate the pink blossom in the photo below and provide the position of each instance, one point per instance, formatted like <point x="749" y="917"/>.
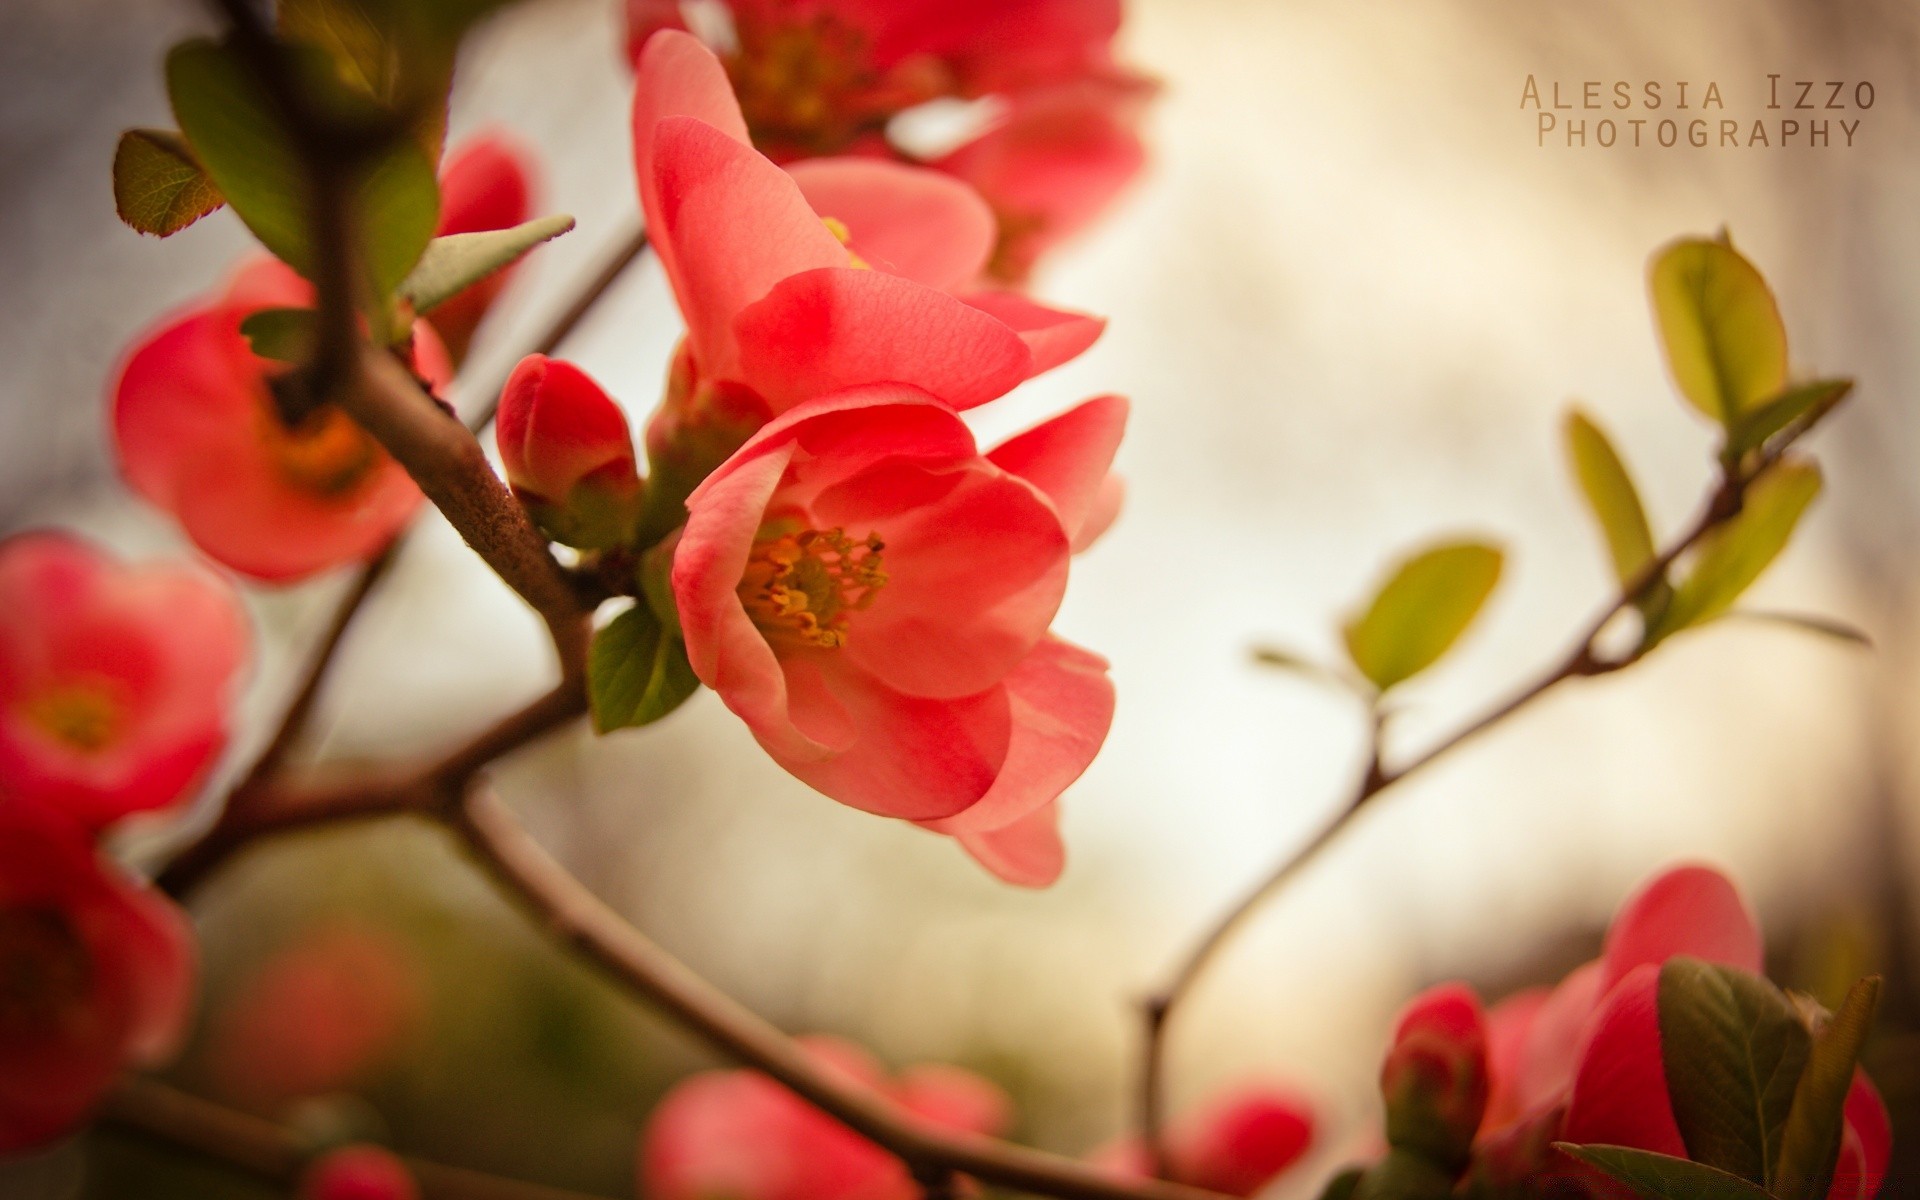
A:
<point x="872" y="596"/>
<point x="1236" y="1144"/>
<point x="98" y="971"/>
<point x="486" y="182"/>
<point x="199" y="435"/>
<point x="738" y="1135"/>
<point x="115" y="681"/>
<point x="359" y="1172"/>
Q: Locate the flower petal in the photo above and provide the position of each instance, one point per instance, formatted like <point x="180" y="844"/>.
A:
<point x="910" y="221"/>
<point x="1068" y="458"/>
<point x="1620" y="1087"/>
<point x="1055" y="335"/>
<point x="1691" y="910"/>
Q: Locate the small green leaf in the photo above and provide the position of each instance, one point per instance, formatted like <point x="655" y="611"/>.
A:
<point x="1421" y="611"/>
<point x="1733" y="1048"/>
<point x="158" y="186"/>
<point x="1810" y="1143"/>
<point x="1661" y="1176"/>
<point x="1726" y="346"/>
<point x="399" y="204"/>
<point x="636" y="672"/>
<point x="456" y="262"/>
<point x="1733" y="556"/>
<point x="1611" y="496"/>
<point x="282" y="334"/>
<point x="1827" y="627"/>
<point x="1805" y="403"/>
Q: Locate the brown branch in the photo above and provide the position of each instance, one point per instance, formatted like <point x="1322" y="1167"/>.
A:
<point x="276" y="806"/>
<point x="1583" y="661"/>
<point x="274" y="1154"/>
<point x="571" y="914"/>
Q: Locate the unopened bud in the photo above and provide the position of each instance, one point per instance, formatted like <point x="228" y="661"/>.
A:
<point x="1435" y="1078"/>
<point x="568" y="454"/>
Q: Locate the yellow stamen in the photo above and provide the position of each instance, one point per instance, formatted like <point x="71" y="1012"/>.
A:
<point x="85" y="716"/>
<point x="326" y="453"/>
<point x="843" y="235"/>
<point x="807" y="584"/>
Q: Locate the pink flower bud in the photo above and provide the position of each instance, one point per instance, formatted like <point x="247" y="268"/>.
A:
<point x="115" y="681"/>
<point x="1435" y="1077"/>
<point x="568" y="454"/>
<point x="1235" y="1144"/>
<point x="363" y="1172"/>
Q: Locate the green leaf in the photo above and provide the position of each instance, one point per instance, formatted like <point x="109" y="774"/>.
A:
<point x="637" y="672"/>
<point x="1725" y="344"/>
<point x="1661" y="1176"/>
<point x="158" y="186"/>
<point x="238" y="136"/>
<point x="1810" y="1143"/>
<point x="388" y="51"/>
<point x="1342" y="1186"/>
<point x="1805" y="403"/>
<point x="1827" y="627"/>
<point x="282" y="334"/>
<point x="1611" y="497"/>
<point x="456" y="262"/>
<point x="1732" y="557"/>
<point x="1734" y="1049"/>
<point x="1421" y="611"/>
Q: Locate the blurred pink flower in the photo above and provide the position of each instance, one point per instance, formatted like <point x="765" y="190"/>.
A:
<point x="199" y="435"/>
<point x="568" y="453"/>
<point x="872" y="596"/>
<point x="1235" y="1144"/>
<point x="359" y="1172"/>
<point x="738" y="1135"/>
<point x="318" y="1016"/>
<point x="98" y="973"/>
<point x="826" y="77"/>
<point x="486" y="182"/>
<point x="116" y="681"/>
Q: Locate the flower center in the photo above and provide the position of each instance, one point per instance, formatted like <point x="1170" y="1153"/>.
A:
<point x="326" y="453"/>
<point x="843" y="235"/>
<point x="83" y="716"/>
<point x="807" y="584"/>
<point x="44" y="970"/>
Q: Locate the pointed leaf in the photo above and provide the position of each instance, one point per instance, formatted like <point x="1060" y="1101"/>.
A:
<point x="636" y="672"/>
<point x="1661" y="1176"/>
<point x="454" y="263"/>
<point x="1805" y="403"/>
<point x="1827" y="627"/>
<point x="1725" y="344"/>
<point x="1733" y="1048"/>
<point x="1810" y="1143"/>
<point x="1611" y="496"/>
<point x="1422" y="609"/>
<point x="158" y="186"/>
<point x="1733" y="556"/>
<point x="282" y="334"/>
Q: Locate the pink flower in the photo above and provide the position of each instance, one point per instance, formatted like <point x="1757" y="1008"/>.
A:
<point x="317" y="1016"/>
<point x="1582" y="1062"/>
<point x="825" y="77"/>
<point x="872" y="595"/>
<point x="1236" y="1144"/>
<point x="780" y="304"/>
<point x="1435" y="1076"/>
<point x="361" y="1172"/>
<point x="568" y="453"/>
<point x="738" y="1135"/>
<point x="98" y="975"/>
<point x="115" y="681"/>
<point x="486" y="182"/>
<point x="199" y="435"/>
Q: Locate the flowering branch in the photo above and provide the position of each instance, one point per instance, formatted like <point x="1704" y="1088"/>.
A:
<point x="275" y="1154"/>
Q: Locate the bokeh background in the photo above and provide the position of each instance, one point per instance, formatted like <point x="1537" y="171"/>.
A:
<point x="1350" y="301"/>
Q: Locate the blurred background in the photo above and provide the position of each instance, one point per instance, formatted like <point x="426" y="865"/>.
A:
<point x="1350" y="302"/>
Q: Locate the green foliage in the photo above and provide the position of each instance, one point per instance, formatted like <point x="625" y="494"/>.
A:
<point x="1343" y="1185"/>
<point x="1734" y="1048"/>
<point x="454" y="263"/>
<point x="1663" y="1177"/>
<point x="1726" y="346"/>
<point x="1801" y="406"/>
<point x="1404" y="1174"/>
<point x="1615" y="504"/>
<point x="282" y="334"/>
<point x="637" y="672"/>
<point x="1734" y="555"/>
<point x="1810" y="1142"/>
<point x="237" y="133"/>
<point x="1421" y="610"/>
<point x="158" y="186"/>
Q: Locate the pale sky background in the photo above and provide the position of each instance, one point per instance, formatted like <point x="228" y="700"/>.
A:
<point x="1350" y="304"/>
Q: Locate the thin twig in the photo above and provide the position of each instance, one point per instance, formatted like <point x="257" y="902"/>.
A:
<point x="274" y="1154"/>
<point x="575" y="917"/>
<point x="1585" y="660"/>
